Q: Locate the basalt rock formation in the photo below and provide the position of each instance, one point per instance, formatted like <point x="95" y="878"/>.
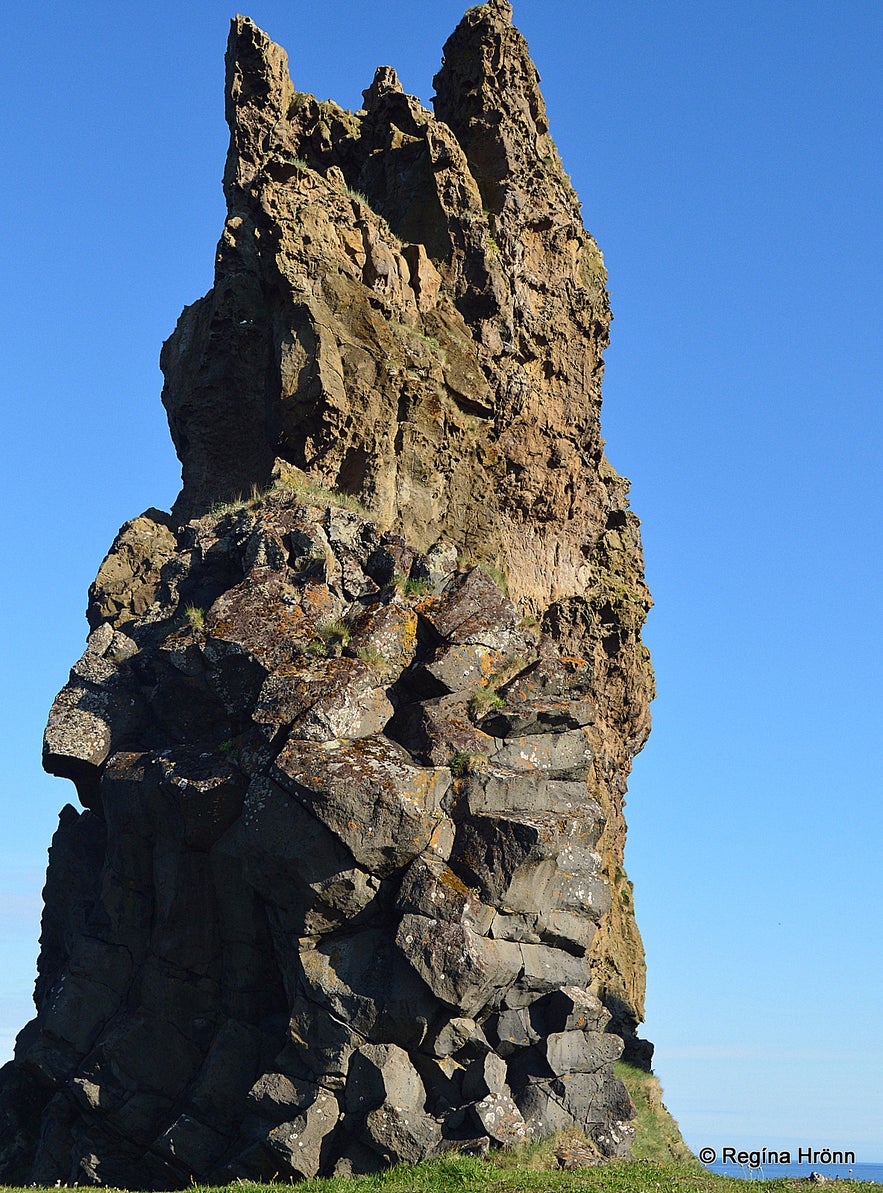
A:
<point x="353" y="724"/>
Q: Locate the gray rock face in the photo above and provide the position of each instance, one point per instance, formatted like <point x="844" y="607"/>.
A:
<point x="348" y="889"/>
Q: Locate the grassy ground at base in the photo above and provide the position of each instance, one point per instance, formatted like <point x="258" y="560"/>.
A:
<point x="467" y="1174"/>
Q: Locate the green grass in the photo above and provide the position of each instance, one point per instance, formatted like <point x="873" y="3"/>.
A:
<point x="466" y="561"/>
<point x="430" y="342"/>
<point x="360" y="197"/>
<point x="484" y="700"/>
<point x="330" y="636"/>
<point x="497" y="575"/>
<point x="335" y="631"/>
<point x="195" y="617"/>
<point x="316" y="494"/>
<point x="488" y="697"/>
<point x="410" y="587"/>
<point x="461" y="764"/>
<point x="238" y="502"/>
<point x="657" y="1134"/>
<point x="310" y="492"/>
<point x="512" y="1173"/>
<point x="230" y="507"/>
<point x="375" y="659"/>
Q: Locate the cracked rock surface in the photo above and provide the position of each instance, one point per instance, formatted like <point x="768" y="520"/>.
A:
<point x="347" y="888"/>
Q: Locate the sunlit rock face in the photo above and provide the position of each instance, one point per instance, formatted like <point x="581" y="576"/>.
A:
<point x="353" y="724"/>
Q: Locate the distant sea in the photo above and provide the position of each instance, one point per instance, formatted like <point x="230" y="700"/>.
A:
<point x="843" y="1172"/>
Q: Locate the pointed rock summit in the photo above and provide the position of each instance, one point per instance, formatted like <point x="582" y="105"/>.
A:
<point x="353" y="725"/>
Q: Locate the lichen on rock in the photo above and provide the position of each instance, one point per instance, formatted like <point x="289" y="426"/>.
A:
<point x="348" y="886"/>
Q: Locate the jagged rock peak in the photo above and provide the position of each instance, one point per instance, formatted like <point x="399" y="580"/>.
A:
<point x="385" y="81"/>
<point x="374" y="236"/>
<point x="501" y="9"/>
<point x="488" y="93"/>
<point x="259" y="93"/>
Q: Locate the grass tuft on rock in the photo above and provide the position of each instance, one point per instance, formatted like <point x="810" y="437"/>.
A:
<point x="375" y="659"/>
<point x="408" y="586"/>
<point x="312" y="493"/>
<point x="657" y="1136"/>
<point x="286" y="477"/>
<point x="484" y="700"/>
<point x="335" y="632"/>
<point x="195" y="617"/>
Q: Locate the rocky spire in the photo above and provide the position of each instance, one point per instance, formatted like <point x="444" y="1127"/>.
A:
<point x="353" y="725"/>
<point x="470" y="237"/>
<point x="385" y="81"/>
<point x="259" y="95"/>
<point x="488" y="93"/>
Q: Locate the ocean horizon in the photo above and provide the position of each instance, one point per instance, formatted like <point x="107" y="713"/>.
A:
<point x="855" y="1172"/>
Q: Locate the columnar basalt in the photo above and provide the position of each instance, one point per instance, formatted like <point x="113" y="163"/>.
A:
<point x="353" y="724"/>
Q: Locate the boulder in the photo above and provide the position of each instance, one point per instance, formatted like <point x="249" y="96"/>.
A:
<point x="386" y="1095"/>
<point x="500" y="1119"/>
<point x="369" y="794"/>
<point x="298" y="1142"/>
<point x="463" y="969"/>
<point x="473" y="611"/>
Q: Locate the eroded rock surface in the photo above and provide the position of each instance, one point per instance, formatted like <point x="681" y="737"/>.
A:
<point x="348" y="885"/>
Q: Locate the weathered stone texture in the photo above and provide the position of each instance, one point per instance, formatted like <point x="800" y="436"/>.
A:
<point x="348" y="888"/>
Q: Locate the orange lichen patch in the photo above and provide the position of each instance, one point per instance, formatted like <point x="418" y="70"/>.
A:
<point x="462" y="667"/>
<point x="317" y="599"/>
<point x="449" y="879"/>
<point x="386" y="636"/>
<point x="298" y="667"/>
<point x="266" y="617"/>
<point x="490" y="665"/>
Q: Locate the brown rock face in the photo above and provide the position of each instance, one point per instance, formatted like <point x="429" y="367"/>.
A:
<point x="353" y="726"/>
<point x="406" y="306"/>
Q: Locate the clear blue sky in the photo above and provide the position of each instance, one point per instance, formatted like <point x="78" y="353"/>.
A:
<point x="729" y="158"/>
